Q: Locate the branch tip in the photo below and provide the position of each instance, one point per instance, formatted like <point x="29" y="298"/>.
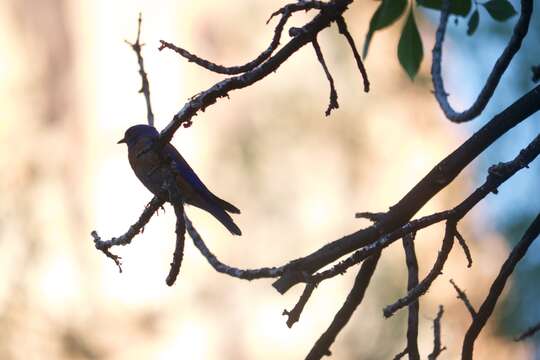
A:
<point x="463" y="297"/>
<point x="333" y="104"/>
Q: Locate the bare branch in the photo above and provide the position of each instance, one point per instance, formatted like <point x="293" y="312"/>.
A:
<point x="498" y="174"/>
<point x="465" y="248"/>
<point x="304" y="35"/>
<point x="401" y="354"/>
<point x="294" y="314"/>
<point x="371" y="216"/>
<point x="493" y="181"/>
<point x="436" y="180"/>
<point x="425" y="284"/>
<point x="520" y="30"/>
<point x="105" y="245"/>
<point x="145" y="87"/>
<point x="412" y="282"/>
<point x="528" y="333"/>
<point x="355" y="297"/>
<point x="368" y="250"/>
<point x="463" y="297"/>
<point x="487" y="307"/>
<point x="285" y="12"/>
<point x="437" y="350"/>
<point x="249" y="274"/>
<point x="342" y="26"/>
<point x="179" y="248"/>
<point x="298" y="6"/>
<point x="333" y="104"/>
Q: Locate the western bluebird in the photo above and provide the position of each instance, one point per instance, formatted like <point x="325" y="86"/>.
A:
<point x="156" y="169"/>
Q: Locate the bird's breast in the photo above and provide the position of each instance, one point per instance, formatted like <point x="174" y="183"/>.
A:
<point x="151" y="170"/>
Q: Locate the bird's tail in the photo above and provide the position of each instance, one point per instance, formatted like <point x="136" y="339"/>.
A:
<point x="225" y="219"/>
<point x="227" y="206"/>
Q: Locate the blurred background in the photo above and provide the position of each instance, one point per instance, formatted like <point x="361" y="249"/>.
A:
<point x="68" y="91"/>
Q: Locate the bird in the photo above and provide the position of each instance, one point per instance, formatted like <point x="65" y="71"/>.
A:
<point x="156" y="168"/>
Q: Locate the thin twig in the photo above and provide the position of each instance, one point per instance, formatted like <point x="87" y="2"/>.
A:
<point x="497" y="175"/>
<point x="342" y="26"/>
<point x="299" y="5"/>
<point x="494" y="179"/>
<point x="342" y="317"/>
<point x="145" y="87"/>
<point x="437" y="349"/>
<point x="437" y="179"/>
<point x="371" y="216"/>
<point x="520" y="30"/>
<point x="208" y="97"/>
<point x="463" y="297"/>
<point x="435" y="271"/>
<point x="414" y="307"/>
<point x="487" y="307"/>
<point x="401" y="354"/>
<point x="465" y="248"/>
<point x="105" y="245"/>
<point x="246" y="274"/>
<point x="294" y="315"/>
<point x="333" y="104"/>
<point x="381" y="243"/>
<point x="180" y="231"/>
<point x="285" y="12"/>
<point x="528" y="333"/>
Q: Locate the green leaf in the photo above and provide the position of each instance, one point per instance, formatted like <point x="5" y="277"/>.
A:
<point x="385" y="15"/>
<point x="500" y="10"/>
<point x="472" y="25"/>
<point x="457" y="7"/>
<point x="410" y="52"/>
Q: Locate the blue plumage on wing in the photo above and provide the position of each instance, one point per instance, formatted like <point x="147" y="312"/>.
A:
<point x="156" y="168"/>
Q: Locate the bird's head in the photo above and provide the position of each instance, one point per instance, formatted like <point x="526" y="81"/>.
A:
<point x="139" y="132"/>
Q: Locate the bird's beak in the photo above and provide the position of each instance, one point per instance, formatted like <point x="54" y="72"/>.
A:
<point x="123" y="140"/>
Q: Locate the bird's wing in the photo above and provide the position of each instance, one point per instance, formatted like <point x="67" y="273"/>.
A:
<point x="193" y="180"/>
<point x="185" y="170"/>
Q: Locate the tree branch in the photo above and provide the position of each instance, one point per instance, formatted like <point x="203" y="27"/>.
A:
<point x="333" y="104"/>
<point x="487" y="307"/>
<point x="342" y="26"/>
<point x="528" y="333"/>
<point x="179" y="247"/>
<point x="414" y="307"/>
<point x="465" y="248"/>
<point x="367" y="244"/>
<point x="424" y="285"/>
<point x="520" y="30"/>
<point x="294" y="315"/>
<point x="226" y="269"/>
<point x="355" y="297"/>
<point x="437" y="349"/>
<point x="436" y="180"/>
<point x="304" y="35"/>
<point x="463" y="297"/>
<point x="145" y="87"/>
<point x="105" y="245"/>
<point x="497" y="175"/>
<point x="285" y="12"/>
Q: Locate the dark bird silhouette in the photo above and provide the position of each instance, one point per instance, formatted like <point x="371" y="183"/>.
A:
<point x="158" y="168"/>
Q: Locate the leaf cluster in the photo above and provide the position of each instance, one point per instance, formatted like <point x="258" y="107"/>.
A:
<point x="410" y="50"/>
